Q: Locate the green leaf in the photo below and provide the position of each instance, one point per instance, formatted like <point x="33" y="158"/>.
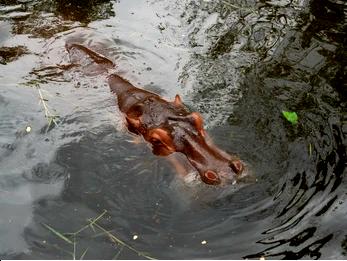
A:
<point x="290" y="116"/>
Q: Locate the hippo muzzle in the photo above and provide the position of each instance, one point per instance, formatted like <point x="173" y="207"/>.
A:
<point x="214" y="166"/>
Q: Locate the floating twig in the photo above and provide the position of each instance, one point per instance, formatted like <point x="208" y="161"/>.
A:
<point x="93" y="223"/>
<point x="58" y="234"/>
<point x="84" y="253"/>
<point x="115" y="239"/>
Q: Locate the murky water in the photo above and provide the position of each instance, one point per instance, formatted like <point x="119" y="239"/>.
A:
<point x="239" y="63"/>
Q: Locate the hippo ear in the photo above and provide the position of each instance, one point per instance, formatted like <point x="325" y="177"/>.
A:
<point x="198" y="122"/>
<point x="178" y="100"/>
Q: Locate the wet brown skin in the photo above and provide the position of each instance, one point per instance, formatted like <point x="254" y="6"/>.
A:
<point x="169" y="127"/>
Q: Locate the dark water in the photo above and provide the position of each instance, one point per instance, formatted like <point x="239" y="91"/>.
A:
<point x="240" y="63"/>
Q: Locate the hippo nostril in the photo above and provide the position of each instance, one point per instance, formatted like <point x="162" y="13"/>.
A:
<point x="236" y="166"/>
<point x="211" y="177"/>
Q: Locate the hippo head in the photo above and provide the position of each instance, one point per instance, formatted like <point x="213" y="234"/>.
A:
<point x="185" y="134"/>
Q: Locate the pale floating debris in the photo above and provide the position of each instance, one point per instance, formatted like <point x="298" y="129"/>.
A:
<point x="262" y="258"/>
<point x="204" y="242"/>
<point x="28" y="129"/>
<point x="16" y="15"/>
<point x="10" y="8"/>
<point x="135" y="237"/>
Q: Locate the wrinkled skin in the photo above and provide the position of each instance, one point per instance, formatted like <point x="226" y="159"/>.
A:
<point x="169" y="127"/>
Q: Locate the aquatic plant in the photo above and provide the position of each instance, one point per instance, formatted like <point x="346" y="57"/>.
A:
<point x="70" y="238"/>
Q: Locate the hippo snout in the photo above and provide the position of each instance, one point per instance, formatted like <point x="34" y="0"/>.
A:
<point x="229" y="172"/>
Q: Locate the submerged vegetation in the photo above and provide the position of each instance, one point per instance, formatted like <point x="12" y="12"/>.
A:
<point x="98" y="230"/>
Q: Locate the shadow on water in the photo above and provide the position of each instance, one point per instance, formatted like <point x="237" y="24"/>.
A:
<point x="240" y="64"/>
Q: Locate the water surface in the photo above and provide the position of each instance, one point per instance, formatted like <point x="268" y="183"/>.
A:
<point x="239" y="63"/>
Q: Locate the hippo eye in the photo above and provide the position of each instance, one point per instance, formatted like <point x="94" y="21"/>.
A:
<point x="156" y="142"/>
<point x="161" y="138"/>
<point x="236" y="166"/>
<point x="210" y="177"/>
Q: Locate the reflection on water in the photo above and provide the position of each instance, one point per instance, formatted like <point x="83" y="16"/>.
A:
<point x="240" y="63"/>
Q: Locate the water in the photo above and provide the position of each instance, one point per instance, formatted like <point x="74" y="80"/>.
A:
<point x="240" y="64"/>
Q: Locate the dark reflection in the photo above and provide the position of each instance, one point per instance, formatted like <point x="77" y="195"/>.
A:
<point x="311" y="251"/>
<point x="296" y="196"/>
<point x="227" y="39"/>
<point x="9" y="54"/>
<point x="49" y="17"/>
<point x="304" y="75"/>
<point x="224" y="44"/>
<point x="44" y="173"/>
<point x="344" y="246"/>
<point x="84" y="10"/>
<point x="329" y="25"/>
<point x="8" y="2"/>
<point x="75" y="10"/>
<point x="326" y="207"/>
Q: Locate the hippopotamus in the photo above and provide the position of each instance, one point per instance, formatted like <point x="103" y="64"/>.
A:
<point x="169" y="127"/>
